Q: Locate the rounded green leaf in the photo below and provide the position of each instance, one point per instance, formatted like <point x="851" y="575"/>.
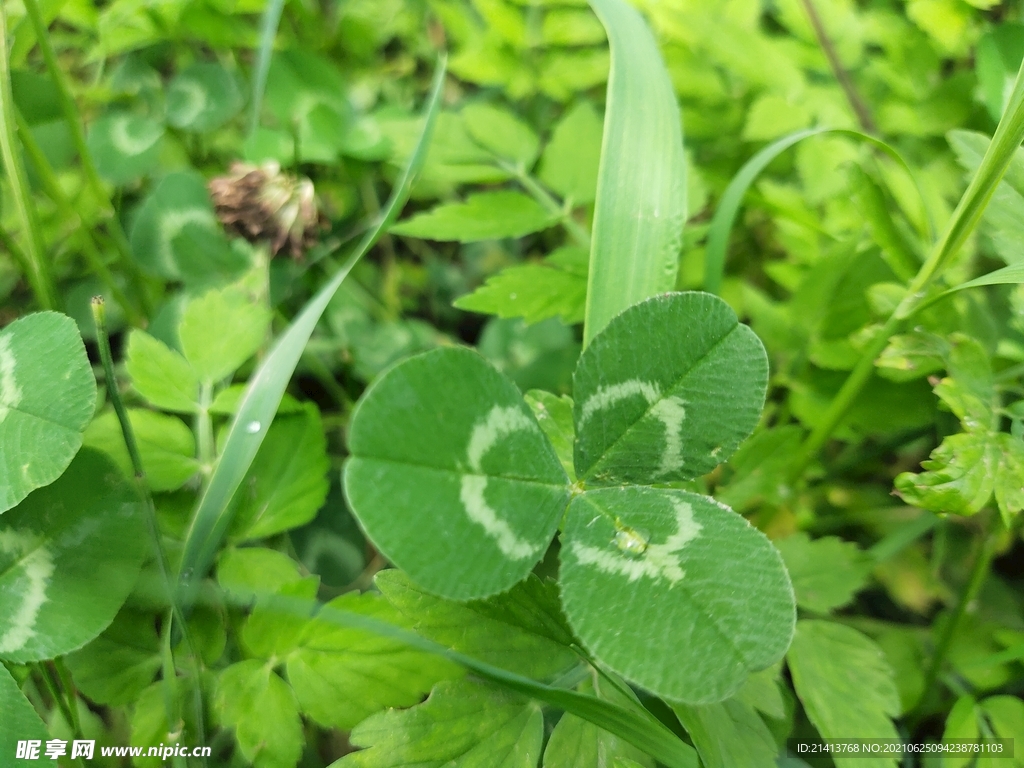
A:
<point x="222" y="329"/>
<point x="125" y="146"/>
<point x="166" y="445"/>
<point x="667" y="391"/>
<point x="202" y="97"/>
<point x="451" y="477"/>
<point x="674" y="591"/>
<point x="47" y="396"/>
<point x="69" y="555"/>
<point x="177" y="236"/>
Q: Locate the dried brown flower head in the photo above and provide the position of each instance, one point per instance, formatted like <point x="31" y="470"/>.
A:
<point x="259" y="202"/>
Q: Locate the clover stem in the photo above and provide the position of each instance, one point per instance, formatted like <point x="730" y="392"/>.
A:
<point x="979" y="571"/>
<point x="99" y="315"/>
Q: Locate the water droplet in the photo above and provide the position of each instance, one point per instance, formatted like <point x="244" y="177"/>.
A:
<point x="253" y="427"/>
<point x="630" y="541"/>
<point x="512" y="297"/>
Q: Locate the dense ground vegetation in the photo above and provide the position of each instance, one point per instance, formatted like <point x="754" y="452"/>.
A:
<point x="296" y="217"/>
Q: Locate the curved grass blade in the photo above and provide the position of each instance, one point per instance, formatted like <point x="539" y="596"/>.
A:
<point x="37" y="269"/>
<point x="641" y="730"/>
<point x="729" y="205"/>
<point x="266" y="387"/>
<point x="268" y="31"/>
<point x="641" y="184"/>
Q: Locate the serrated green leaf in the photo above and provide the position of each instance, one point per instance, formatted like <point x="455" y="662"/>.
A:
<point x="499" y="131"/>
<point x="18" y="718"/>
<point x="969" y="390"/>
<point x="761" y="691"/>
<point x="534" y="292"/>
<point x="450" y="475"/>
<point x="47" y="397"/>
<point x="287" y="483"/>
<point x="641" y="189"/>
<point x="912" y="356"/>
<point x="177" y="236"/>
<point x="960" y="476"/>
<point x="268" y="635"/>
<point x="342" y="676"/>
<point x="554" y="414"/>
<point x="255" y="569"/>
<point x="522" y="630"/>
<point x="826" y="572"/>
<point x="644" y="567"/>
<point x="160" y="374"/>
<point x="121" y="663"/>
<point x="845" y="685"/>
<point x="202" y="97"/>
<point x="667" y="391"/>
<point x="125" y="146"/>
<point x="461" y="724"/>
<point x="576" y="743"/>
<point x="260" y="706"/>
<point x="53" y="597"/>
<point x="728" y="733"/>
<point x="571" y="159"/>
<point x="484" y="216"/>
<point x="166" y="446"/>
<point x="241" y="324"/>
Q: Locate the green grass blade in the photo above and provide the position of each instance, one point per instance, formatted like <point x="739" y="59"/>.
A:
<point x="641" y="185"/>
<point x="268" y="31"/>
<point x="729" y="205"/>
<point x="37" y="269"/>
<point x="1009" y="135"/>
<point x="267" y="386"/>
<point x="1005" y="276"/>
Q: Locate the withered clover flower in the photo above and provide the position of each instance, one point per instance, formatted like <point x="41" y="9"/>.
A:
<point x="259" y="202"/>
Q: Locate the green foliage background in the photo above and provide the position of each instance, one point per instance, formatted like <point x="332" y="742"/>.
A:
<point x="900" y="529"/>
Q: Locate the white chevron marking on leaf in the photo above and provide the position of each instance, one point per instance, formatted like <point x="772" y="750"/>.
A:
<point x="10" y="392"/>
<point x="499" y="422"/>
<point x="658" y="561"/>
<point x="37" y="564"/>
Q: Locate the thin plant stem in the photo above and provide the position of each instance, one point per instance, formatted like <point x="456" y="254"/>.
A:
<point x="859" y="106"/>
<point x="204" y="429"/>
<point x="542" y="196"/>
<point x="62" y="698"/>
<point x="979" y="572"/>
<point x="175" y="613"/>
<point x="1008" y="136"/>
<point x="92" y="176"/>
<point x="37" y="270"/>
<point x="67" y="212"/>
